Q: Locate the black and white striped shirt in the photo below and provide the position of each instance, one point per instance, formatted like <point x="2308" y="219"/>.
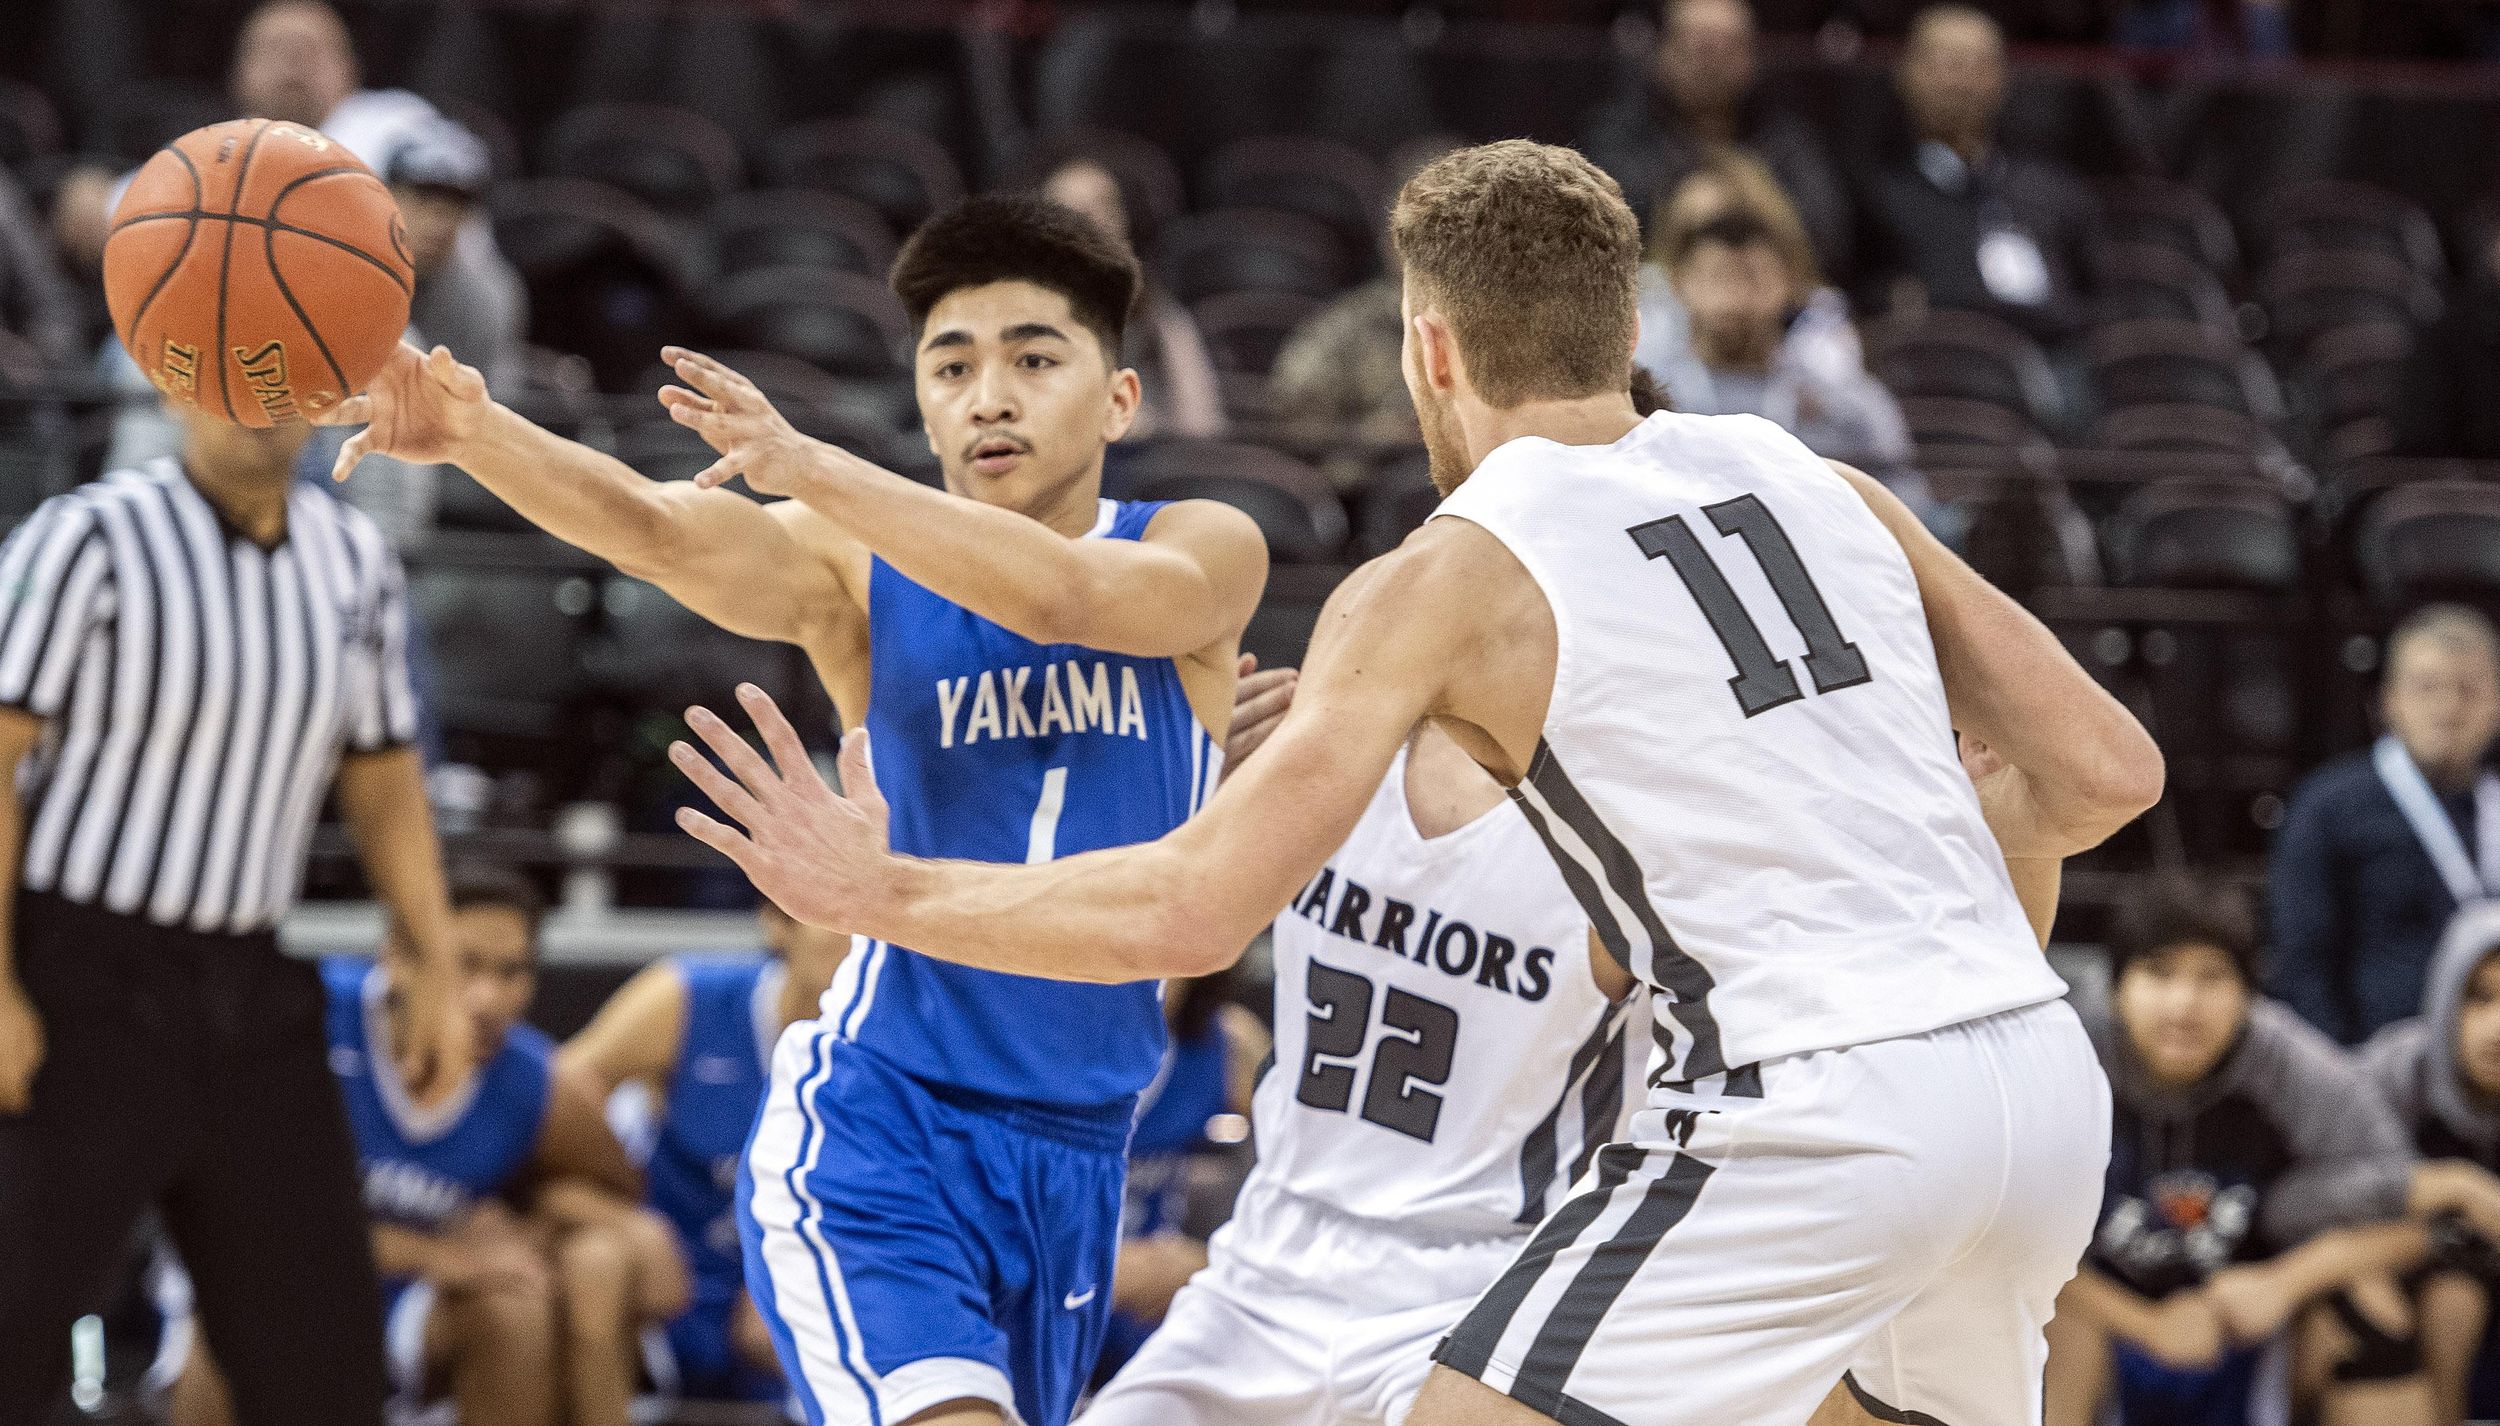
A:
<point x="198" y="690"/>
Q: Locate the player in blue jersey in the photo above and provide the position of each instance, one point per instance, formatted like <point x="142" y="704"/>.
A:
<point x="933" y="1193"/>
<point x="470" y="1295"/>
<point x="693" y="1037"/>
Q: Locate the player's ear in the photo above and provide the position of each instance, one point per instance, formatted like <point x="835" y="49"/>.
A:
<point x="1436" y="350"/>
<point x="1120" y="411"/>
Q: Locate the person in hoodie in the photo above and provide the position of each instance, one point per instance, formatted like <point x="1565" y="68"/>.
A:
<point x="2256" y="1184"/>
<point x="2441" y="1073"/>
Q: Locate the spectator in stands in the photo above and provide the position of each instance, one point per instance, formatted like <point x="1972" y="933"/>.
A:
<point x="2381" y="847"/>
<point x="1954" y="221"/>
<point x="2256" y="29"/>
<point x="2253" y="1180"/>
<point x="2441" y="1072"/>
<point x="1700" y="99"/>
<point x="1163" y="345"/>
<point x="37" y="301"/>
<point x="1738" y="320"/>
<point x="683" y="1052"/>
<point x="2451" y="395"/>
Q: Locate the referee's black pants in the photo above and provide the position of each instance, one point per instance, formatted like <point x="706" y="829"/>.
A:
<point x="188" y="1073"/>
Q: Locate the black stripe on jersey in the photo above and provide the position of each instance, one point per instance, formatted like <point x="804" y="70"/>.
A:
<point x="1881" y="1412"/>
<point x="1686" y="980"/>
<point x="1601" y="1100"/>
<point x="1540" y="1153"/>
<point x="1602" y="1279"/>
<point x="1469" y="1347"/>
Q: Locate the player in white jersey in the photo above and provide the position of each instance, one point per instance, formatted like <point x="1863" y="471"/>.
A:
<point x="1449" y="1057"/>
<point x="1722" y="678"/>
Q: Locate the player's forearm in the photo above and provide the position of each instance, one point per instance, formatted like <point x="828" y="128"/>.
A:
<point x="399" y="1252"/>
<point x="591" y="501"/>
<point x="382" y="797"/>
<point x="1006" y="567"/>
<point x="569" y="1201"/>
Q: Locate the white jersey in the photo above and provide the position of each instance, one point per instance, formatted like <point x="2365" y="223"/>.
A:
<point x="1445" y="1062"/>
<point x="1747" y="773"/>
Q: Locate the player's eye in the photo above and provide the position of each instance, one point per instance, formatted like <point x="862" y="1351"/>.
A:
<point x="1035" y="361"/>
<point x="949" y="371"/>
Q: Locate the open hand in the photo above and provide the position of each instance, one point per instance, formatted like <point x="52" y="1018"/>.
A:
<point x="1260" y="701"/>
<point x="819" y="854"/>
<point x="425" y="407"/>
<point x="438" y="1053"/>
<point x="753" y="437"/>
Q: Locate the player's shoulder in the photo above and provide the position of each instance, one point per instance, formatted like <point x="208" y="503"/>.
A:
<point x="695" y="977"/>
<point x="1203" y="524"/>
<point x="529" y="1049"/>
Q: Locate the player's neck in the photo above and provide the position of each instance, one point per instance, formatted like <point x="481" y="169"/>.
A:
<point x="1072" y="509"/>
<point x="1581" y="421"/>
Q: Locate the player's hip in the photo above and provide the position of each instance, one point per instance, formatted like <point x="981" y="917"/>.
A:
<point x="1284" y="1246"/>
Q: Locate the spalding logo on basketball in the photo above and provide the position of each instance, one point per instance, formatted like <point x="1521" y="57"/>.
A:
<point x="258" y="272"/>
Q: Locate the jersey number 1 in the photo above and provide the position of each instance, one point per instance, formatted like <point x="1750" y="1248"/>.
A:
<point x="1763" y="680"/>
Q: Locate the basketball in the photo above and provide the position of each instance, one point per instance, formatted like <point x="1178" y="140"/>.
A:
<point x="257" y="271"/>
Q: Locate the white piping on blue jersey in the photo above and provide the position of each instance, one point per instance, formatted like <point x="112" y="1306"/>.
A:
<point x="864" y="993"/>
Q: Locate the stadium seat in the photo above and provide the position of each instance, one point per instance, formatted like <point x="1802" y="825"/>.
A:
<point x="2312" y="292"/>
<point x="2168" y="214"/>
<point x="2352" y="385"/>
<point x="2147" y="280"/>
<point x="2218" y="533"/>
<point x="2214" y="429"/>
<point x="2165" y="363"/>
<point x="704" y="665"/>
<point x="608" y="278"/>
<point x="1393" y="503"/>
<point x="1245" y="330"/>
<point x="796" y="227"/>
<point x="508" y="645"/>
<point x="1251" y="250"/>
<point x="901" y="174"/>
<point x="1966" y="356"/>
<point x="1960" y="426"/>
<point x="845" y="323"/>
<point x="1293" y="502"/>
<point x="673" y="159"/>
<point x="30" y="128"/>
<point x="1329" y="183"/>
<point x="2430" y="540"/>
<point x="2329" y="215"/>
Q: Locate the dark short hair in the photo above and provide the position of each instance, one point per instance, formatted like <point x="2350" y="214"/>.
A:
<point x="2175" y="910"/>
<point x="1736" y="228"/>
<point x="488" y="884"/>
<point x="1021" y="239"/>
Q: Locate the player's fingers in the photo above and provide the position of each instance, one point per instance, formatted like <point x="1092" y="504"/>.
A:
<point x="717" y="474"/>
<point x="725" y="794"/>
<point x="678" y="397"/>
<point x="351" y="453"/>
<point x="736" y="754"/>
<point x="354" y="411"/>
<point x="859" y="773"/>
<point x="780" y="739"/>
<point x="1245" y="666"/>
<point x="725" y="840"/>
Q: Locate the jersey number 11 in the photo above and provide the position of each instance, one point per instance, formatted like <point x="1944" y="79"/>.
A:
<point x="1763" y="680"/>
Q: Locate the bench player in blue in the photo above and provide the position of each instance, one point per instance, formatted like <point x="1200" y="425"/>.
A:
<point x="470" y="1293"/>
<point x="695" y="1035"/>
<point x="933" y="1193"/>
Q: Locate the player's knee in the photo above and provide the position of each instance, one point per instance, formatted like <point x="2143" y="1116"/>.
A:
<point x="509" y="1321"/>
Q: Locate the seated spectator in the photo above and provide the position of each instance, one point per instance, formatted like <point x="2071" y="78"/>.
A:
<point x="476" y="1300"/>
<point x="2255" y="1184"/>
<point x="684" y="1051"/>
<point x="1699" y="99"/>
<point x="2441" y="1072"/>
<point x="1340" y="376"/>
<point x="1210" y="1067"/>
<point x="2256" y="29"/>
<point x="1955" y="221"/>
<point x="1179" y="395"/>
<point x="2450" y="403"/>
<point x="2379" y="848"/>
<point x="37" y="301"/>
<point x="1742" y="323"/>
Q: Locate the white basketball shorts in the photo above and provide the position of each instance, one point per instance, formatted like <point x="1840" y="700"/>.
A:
<point x="1903" y="1213"/>
<point x="1303" y="1316"/>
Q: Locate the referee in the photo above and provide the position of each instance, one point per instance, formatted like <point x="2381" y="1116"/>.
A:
<point x="189" y="652"/>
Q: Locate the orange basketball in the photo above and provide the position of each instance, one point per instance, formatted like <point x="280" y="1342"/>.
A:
<point x="257" y="271"/>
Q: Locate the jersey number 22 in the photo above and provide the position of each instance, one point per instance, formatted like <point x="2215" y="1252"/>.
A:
<point x="1763" y="680"/>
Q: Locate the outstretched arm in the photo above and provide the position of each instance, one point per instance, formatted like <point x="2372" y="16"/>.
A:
<point x="1185" y="905"/>
<point x="756" y="570"/>
<point x="2078" y="766"/>
<point x="1184" y="589"/>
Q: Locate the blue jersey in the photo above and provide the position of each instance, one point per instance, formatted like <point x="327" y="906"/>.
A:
<point x="423" y="1168"/>
<point x="1172" y="1116"/>
<point x="993" y="748"/>
<point x="731" y="1022"/>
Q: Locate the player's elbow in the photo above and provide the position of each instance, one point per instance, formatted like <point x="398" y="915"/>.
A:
<point x="2128" y="778"/>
